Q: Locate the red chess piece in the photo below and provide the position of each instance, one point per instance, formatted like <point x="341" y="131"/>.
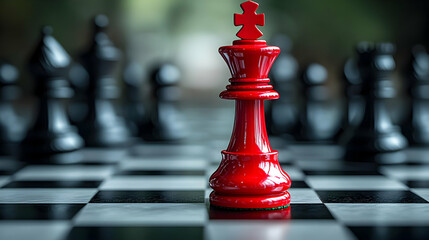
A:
<point x="249" y="175"/>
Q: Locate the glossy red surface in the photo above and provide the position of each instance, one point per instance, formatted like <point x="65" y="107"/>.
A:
<point x="249" y="175"/>
<point x="249" y="59"/>
<point x="249" y="19"/>
<point x="249" y="62"/>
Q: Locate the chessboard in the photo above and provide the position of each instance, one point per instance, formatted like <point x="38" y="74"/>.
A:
<point x="160" y="191"/>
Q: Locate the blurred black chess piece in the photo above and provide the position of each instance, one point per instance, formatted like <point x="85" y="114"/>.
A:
<point x="319" y="118"/>
<point x="79" y="80"/>
<point x="376" y="138"/>
<point x="162" y="121"/>
<point x="282" y="114"/>
<point x="416" y="125"/>
<point x="354" y="103"/>
<point x="11" y="125"/>
<point x="134" y="107"/>
<point x="51" y="138"/>
<point x="102" y="127"/>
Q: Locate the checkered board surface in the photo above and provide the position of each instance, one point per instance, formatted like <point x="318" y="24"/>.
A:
<point x="160" y="191"/>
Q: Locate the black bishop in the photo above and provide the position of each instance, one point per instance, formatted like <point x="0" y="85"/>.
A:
<point x="51" y="137"/>
<point x="102" y="127"/>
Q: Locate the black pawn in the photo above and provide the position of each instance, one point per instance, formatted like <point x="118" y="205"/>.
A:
<point x="51" y="137"/>
<point x="11" y="125"/>
<point x="282" y="114"/>
<point x="416" y="126"/>
<point x="79" y="80"/>
<point x="134" y="108"/>
<point x="376" y="138"/>
<point x="354" y="101"/>
<point x="102" y="127"/>
<point x="163" y="122"/>
<point x="319" y="120"/>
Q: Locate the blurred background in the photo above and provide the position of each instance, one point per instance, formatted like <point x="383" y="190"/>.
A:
<point x="189" y="32"/>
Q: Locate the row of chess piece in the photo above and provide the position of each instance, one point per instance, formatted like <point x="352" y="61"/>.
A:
<point x="91" y="118"/>
<point x="363" y="125"/>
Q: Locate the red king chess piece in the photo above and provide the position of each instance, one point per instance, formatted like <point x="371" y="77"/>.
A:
<point x="249" y="176"/>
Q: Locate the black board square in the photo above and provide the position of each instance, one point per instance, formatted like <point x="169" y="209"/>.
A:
<point x="53" y="184"/>
<point x="38" y="211"/>
<point x="398" y="196"/>
<point x="391" y="232"/>
<point x="148" y="197"/>
<point x="137" y="233"/>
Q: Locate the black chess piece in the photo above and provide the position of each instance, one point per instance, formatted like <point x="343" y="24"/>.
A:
<point x="320" y="118"/>
<point x="376" y="138"/>
<point x="282" y="114"/>
<point x="416" y="125"/>
<point x="11" y="125"/>
<point x="354" y="101"/>
<point x="134" y="107"/>
<point x="79" y="79"/>
<point x="163" y="121"/>
<point x="51" y="137"/>
<point x="102" y="127"/>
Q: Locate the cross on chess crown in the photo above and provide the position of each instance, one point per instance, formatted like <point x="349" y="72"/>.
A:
<point x="249" y="19"/>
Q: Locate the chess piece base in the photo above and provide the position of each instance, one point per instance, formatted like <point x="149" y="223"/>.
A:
<point x="388" y="141"/>
<point x="419" y="137"/>
<point x="382" y="148"/>
<point x="96" y="135"/>
<point x="40" y="147"/>
<point x="250" y="181"/>
<point x="57" y="158"/>
<point x="262" y="202"/>
<point x="169" y="131"/>
<point x="8" y="148"/>
<point x="46" y="143"/>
